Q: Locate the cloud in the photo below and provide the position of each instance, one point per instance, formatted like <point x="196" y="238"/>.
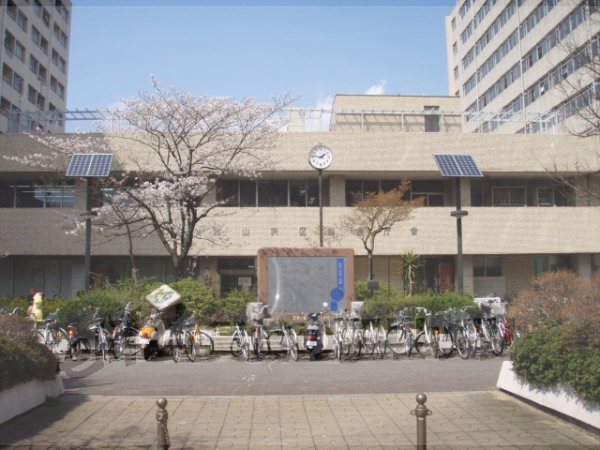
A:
<point x="377" y="88"/>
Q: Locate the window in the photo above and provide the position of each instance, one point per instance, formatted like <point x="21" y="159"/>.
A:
<point x="304" y="193"/>
<point x="44" y="45"/>
<point x="432" y="121"/>
<point x="487" y="266"/>
<point x="36" y="36"/>
<point x="4" y="107"/>
<point x="32" y="196"/>
<point x="46" y="17"/>
<point x="272" y="193"/>
<point x="596" y="263"/>
<point x="9" y="42"/>
<point x="34" y="65"/>
<point x="228" y="192"/>
<point x="545" y="196"/>
<point x="31" y="94"/>
<point x="509" y="196"/>
<point x="22" y="21"/>
<point x="11" y="9"/>
<point x="247" y="193"/>
<point x="19" y="51"/>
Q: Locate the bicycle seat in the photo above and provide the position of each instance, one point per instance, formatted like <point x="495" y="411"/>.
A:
<point x="354" y="319"/>
<point x="395" y="325"/>
<point x="240" y="323"/>
<point x="313" y="316"/>
<point x="338" y="319"/>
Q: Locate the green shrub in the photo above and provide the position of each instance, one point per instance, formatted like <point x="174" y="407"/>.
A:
<point x="583" y="372"/>
<point x="197" y="298"/>
<point x="9" y="304"/>
<point x="234" y="303"/>
<point x="540" y="357"/>
<point x="24" y="360"/>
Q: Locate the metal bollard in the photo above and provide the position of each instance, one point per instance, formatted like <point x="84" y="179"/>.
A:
<point x="421" y="412"/>
<point x="162" y="432"/>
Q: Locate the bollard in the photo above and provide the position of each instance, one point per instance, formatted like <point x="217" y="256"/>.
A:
<point x="421" y="412"/>
<point x="162" y="432"/>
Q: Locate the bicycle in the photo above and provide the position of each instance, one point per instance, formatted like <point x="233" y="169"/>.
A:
<point x="181" y="338"/>
<point x="52" y="335"/>
<point x="260" y="341"/>
<point x="101" y="335"/>
<point x="204" y="344"/>
<point x="488" y="332"/>
<point x="286" y="337"/>
<point x="428" y="339"/>
<point x="124" y="336"/>
<point x="374" y="337"/>
<point x="338" y="335"/>
<point x="352" y="338"/>
<point x="400" y="339"/>
<point x="458" y="331"/>
<point x="240" y="341"/>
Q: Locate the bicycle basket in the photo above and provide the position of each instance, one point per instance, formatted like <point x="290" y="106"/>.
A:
<point x="190" y="322"/>
<point x="240" y="320"/>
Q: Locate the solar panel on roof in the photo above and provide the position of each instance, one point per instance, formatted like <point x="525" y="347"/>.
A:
<point x="90" y="165"/>
<point x="457" y="166"/>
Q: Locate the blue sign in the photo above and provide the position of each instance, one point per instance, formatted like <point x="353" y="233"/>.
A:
<point x="337" y="293"/>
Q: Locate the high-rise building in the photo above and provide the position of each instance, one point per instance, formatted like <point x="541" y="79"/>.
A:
<point x="34" y="59"/>
<point x="519" y="66"/>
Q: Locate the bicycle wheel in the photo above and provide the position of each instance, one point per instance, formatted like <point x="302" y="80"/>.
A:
<point x="259" y="345"/>
<point x="396" y="341"/>
<point x="237" y="344"/>
<point x="463" y="346"/>
<point x="445" y="344"/>
<point x="369" y="341"/>
<point x="174" y="344"/>
<point x="380" y="341"/>
<point x="204" y="344"/>
<point x="103" y="342"/>
<point x="421" y="345"/>
<point x="118" y="348"/>
<point x="356" y="346"/>
<point x="189" y="345"/>
<point x="292" y="345"/>
<point x="497" y="341"/>
<point x="41" y="337"/>
<point x="245" y="345"/>
<point x="277" y="341"/>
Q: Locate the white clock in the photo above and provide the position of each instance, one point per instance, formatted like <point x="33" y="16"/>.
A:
<point x="320" y="157"/>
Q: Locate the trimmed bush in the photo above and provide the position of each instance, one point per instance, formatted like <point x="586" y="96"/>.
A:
<point x="583" y="372"/>
<point x="24" y="360"/>
<point x="540" y="357"/>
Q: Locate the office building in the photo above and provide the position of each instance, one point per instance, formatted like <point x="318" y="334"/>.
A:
<point x="517" y="64"/>
<point x="34" y="59"/>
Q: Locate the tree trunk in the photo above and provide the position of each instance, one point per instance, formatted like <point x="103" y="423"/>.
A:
<point x="370" y="258"/>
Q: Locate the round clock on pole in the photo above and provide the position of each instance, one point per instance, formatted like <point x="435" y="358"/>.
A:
<point x="320" y="158"/>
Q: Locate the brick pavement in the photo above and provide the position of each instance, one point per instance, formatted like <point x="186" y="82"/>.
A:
<point x="459" y="420"/>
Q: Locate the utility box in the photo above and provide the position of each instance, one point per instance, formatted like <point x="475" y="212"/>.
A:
<point x="300" y="280"/>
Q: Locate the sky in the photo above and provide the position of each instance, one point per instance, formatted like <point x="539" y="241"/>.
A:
<point x="256" y="48"/>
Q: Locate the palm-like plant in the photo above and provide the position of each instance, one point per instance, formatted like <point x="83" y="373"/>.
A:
<point x="410" y="263"/>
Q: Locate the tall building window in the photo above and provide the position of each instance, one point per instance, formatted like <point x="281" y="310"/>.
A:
<point x="487" y="266"/>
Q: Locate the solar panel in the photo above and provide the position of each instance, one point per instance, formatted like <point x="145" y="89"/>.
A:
<point x="90" y="165"/>
<point x="457" y="166"/>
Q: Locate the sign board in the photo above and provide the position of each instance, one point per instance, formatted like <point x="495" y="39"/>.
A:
<point x="163" y="297"/>
<point x="301" y="280"/>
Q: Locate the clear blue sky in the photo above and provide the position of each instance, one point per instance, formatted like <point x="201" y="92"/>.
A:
<point x="226" y="48"/>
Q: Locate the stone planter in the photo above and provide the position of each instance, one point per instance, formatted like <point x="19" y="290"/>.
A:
<point x="562" y="400"/>
<point x="25" y="396"/>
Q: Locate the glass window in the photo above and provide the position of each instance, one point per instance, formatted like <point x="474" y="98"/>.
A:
<point x="487" y="266"/>
<point x="7" y="194"/>
<point x="247" y="193"/>
<point x="30" y="197"/>
<point x="388" y="185"/>
<point x="298" y="193"/>
<point x="312" y="193"/>
<point x="509" y="196"/>
<point x="272" y="193"/>
<point x="353" y="190"/>
<point x="546" y="196"/>
<point x="370" y="187"/>
<point x="227" y="191"/>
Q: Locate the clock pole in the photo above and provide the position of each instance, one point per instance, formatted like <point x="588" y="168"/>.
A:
<point x="320" y="207"/>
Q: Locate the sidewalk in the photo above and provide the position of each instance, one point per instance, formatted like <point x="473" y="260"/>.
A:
<point x="459" y="420"/>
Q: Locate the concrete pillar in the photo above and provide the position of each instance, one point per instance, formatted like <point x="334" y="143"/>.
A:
<point x="465" y="192"/>
<point x="583" y="264"/>
<point x="337" y="190"/>
<point x="80" y="192"/>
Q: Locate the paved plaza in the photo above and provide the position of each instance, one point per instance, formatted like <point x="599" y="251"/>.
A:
<point x="459" y="420"/>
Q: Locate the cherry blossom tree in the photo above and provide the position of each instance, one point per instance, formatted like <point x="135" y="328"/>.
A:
<point x="374" y="213"/>
<point x="175" y="148"/>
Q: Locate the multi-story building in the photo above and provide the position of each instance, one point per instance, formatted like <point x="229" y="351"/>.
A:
<point x="34" y="59"/>
<point x="520" y="222"/>
<point x="517" y="65"/>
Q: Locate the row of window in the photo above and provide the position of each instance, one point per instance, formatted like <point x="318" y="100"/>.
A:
<point x="271" y="192"/>
<point x="32" y="196"/>
<point x="464" y="9"/>
<point x="21" y="19"/>
<point x="554" y="77"/>
<point x="552" y="38"/>
<point x="492" y="30"/>
<point x="472" y="26"/>
<point x="547" y="82"/>
<point x="19" y="122"/>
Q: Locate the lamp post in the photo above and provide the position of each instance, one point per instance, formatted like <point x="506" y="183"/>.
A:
<point x="87" y="167"/>
<point x="320" y="158"/>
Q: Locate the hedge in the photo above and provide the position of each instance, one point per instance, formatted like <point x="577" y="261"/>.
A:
<point x="547" y="358"/>
<point x="22" y="358"/>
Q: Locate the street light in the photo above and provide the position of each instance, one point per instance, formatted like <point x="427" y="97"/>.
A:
<point x="89" y="166"/>
<point x="458" y="166"/>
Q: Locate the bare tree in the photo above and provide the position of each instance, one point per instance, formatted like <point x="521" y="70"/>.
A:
<point x="374" y="213"/>
<point x="179" y="147"/>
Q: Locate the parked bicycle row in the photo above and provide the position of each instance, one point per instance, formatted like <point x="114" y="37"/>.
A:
<point x="467" y="331"/>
